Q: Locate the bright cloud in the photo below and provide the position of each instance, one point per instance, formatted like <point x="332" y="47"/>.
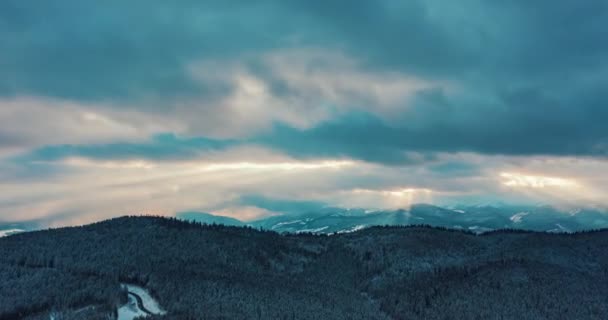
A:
<point x="93" y="190"/>
<point x="517" y="180"/>
<point x="382" y="105"/>
<point x="394" y="199"/>
<point x="300" y="87"/>
<point x="84" y="190"/>
<point x="28" y="122"/>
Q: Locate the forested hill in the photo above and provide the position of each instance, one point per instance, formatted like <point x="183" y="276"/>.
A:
<point x="215" y="272"/>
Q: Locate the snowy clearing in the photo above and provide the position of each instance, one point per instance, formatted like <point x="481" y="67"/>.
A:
<point x="285" y="223"/>
<point x="353" y="229"/>
<point x="517" y="218"/>
<point x="130" y="310"/>
<point x="4" y="233"/>
<point x="133" y="308"/>
<point x="312" y="230"/>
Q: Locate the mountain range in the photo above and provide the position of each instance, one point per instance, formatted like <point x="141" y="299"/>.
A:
<point x="476" y="219"/>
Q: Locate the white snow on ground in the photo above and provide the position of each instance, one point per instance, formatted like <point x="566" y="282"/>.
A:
<point x="353" y="229"/>
<point x="131" y="309"/>
<point x="150" y="303"/>
<point x="4" y="233"/>
<point x="459" y="211"/>
<point x="285" y="223"/>
<point x="516" y="218"/>
<point x="313" y="230"/>
<point x="479" y="230"/>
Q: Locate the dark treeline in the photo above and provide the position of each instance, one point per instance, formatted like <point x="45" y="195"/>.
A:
<point x="216" y="272"/>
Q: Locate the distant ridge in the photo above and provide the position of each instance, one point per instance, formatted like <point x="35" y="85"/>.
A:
<point x="208" y="218"/>
<point x="476" y="219"/>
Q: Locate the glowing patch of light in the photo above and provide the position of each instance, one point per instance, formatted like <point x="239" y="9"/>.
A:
<point x="396" y="198"/>
<point x="131" y="164"/>
<point x="396" y="193"/>
<point x="409" y="191"/>
<point x="281" y="166"/>
<point x="517" y="180"/>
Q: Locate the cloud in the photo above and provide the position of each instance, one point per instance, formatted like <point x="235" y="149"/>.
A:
<point x="115" y="108"/>
<point x="162" y="146"/>
<point x="142" y="50"/>
<point x="83" y="190"/>
<point x="414" y="135"/>
<point x="95" y="190"/>
<point x="428" y="78"/>
<point x="507" y="129"/>
<point x="517" y="180"/>
<point x="135" y="50"/>
<point x="34" y="122"/>
<point x="298" y="87"/>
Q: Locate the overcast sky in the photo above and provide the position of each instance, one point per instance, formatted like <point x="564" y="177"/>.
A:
<point x="123" y="107"/>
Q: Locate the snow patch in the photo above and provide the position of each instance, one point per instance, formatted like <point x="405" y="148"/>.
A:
<point x="353" y="229"/>
<point x="562" y="228"/>
<point x="131" y="310"/>
<point x="517" y="218"/>
<point x="285" y="223"/>
<point x="312" y="230"/>
<point x="479" y="230"/>
<point x="8" y="232"/>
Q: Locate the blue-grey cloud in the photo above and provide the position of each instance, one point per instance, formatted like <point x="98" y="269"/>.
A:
<point x="161" y="147"/>
<point x="531" y="75"/>
<point x="455" y="168"/>
<point x="429" y="95"/>
<point x="508" y="129"/>
<point x="517" y="132"/>
<point x="116" y="50"/>
<point x="85" y="49"/>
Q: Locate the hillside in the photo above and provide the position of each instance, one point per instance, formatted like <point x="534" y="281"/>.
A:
<point x="216" y="272"/>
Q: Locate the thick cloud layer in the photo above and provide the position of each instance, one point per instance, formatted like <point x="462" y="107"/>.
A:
<point x="393" y="85"/>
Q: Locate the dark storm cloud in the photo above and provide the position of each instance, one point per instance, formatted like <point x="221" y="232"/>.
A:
<point x="530" y="76"/>
<point x="532" y="131"/>
<point x="121" y="49"/>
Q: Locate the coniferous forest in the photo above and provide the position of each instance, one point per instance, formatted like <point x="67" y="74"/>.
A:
<point x="200" y="271"/>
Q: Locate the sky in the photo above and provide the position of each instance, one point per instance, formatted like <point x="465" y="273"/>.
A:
<point x="110" y="108"/>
